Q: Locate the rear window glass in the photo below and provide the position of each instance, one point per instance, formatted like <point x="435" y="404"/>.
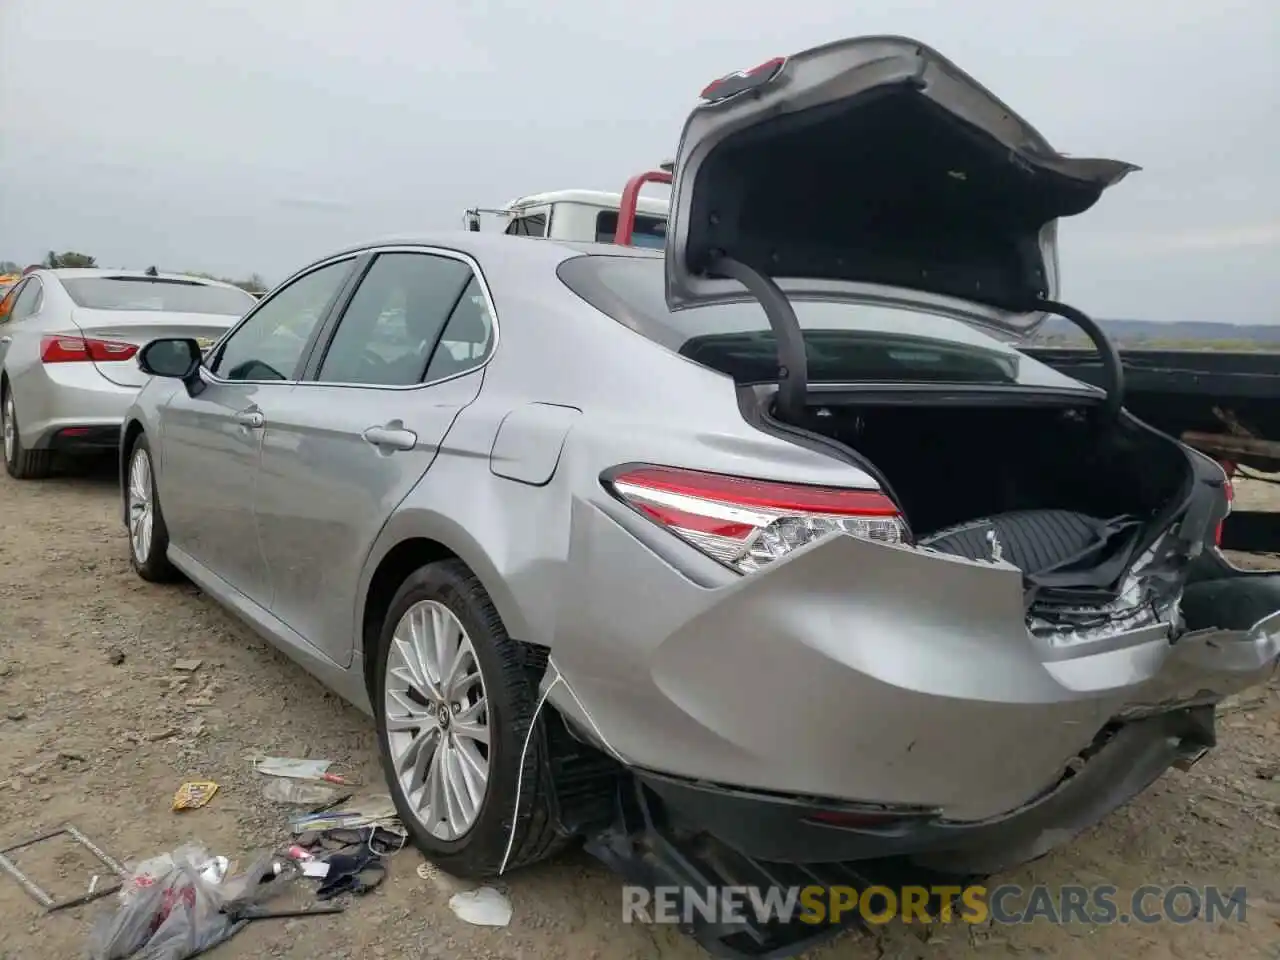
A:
<point x="648" y="232"/>
<point x="845" y="342"/>
<point x="149" y="293"/>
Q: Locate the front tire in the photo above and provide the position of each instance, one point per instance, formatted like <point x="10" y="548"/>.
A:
<point x="19" y="462"/>
<point x="454" y="706"/>
<point x="148" y="534"/>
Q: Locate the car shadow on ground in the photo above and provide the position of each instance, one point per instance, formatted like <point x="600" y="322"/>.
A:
<point x="95" y="470"/>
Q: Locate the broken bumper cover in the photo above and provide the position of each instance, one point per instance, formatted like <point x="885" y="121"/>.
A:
<point x="854" y="671"/>
<point x="786" y="830"/>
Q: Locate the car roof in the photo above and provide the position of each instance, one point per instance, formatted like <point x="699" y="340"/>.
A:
<point x="483" y="244"/>
<point x="651" y="206"/>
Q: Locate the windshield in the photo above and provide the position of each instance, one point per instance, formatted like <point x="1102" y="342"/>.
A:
<point x="846" y="342"/>
<point x="152" y="293"/>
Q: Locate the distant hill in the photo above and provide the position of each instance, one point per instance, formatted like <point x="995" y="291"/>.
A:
<point x="1155" y="333"/>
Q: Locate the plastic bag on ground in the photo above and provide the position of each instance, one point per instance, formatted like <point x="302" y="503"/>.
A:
<point x="294" y="768"/>
<point x="484" y="906"/>
<point x="170" y="909"/>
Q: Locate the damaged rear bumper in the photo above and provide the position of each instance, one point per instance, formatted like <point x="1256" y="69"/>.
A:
<point x="788" y="830"/>
<point x="863" y="673"/>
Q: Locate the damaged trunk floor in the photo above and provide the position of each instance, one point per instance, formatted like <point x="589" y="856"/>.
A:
<point x="97" y="728"/>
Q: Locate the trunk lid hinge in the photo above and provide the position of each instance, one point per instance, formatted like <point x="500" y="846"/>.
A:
<point x="793" y="361"/>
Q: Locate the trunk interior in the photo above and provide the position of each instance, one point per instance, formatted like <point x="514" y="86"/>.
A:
<point x="960" y="462"/>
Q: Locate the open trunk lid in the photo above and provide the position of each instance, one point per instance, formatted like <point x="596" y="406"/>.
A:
<point x="139" y="327"/>
<point x="872" y="166"/>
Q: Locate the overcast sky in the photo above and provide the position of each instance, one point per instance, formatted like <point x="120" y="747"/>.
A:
<point x="253" y="135"/>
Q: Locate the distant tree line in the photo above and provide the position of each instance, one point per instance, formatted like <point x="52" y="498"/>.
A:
<point x="53" y="260"/>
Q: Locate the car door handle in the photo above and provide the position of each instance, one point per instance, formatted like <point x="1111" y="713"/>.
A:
<point x="253" y="419"/>
<point x="391" y="436"/>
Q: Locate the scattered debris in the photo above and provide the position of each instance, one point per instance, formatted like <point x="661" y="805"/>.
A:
<point x="193" y="795"/>
<point x="5" y="669"/>
<point x="316" y="869"/>
<point x="1240" y="702"/>
<point x="16" y="713"/>
<point x="303" y="794"/>
<point x="115" y="656"/>
<point x="377" y="811"/>
<point x="484" y="907"/>
<point x="164" y="733"/>
<point x="180" y="905"/>
<point x="445" y="883"/>
<point x="187" y="666"/>
<point x="76" y="755"/>
<point x="356" y="872"/>
<point x="264" y="913"/>
<point x="46" y="899"/>
<point x="296" y="769"/>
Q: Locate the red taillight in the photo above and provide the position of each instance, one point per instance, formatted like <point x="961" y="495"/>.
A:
<point x="62" y="349"/>
<point x="1229" y="469"/>
<point x="746" y="523"/>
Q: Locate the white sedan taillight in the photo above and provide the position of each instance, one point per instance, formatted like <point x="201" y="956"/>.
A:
<point x="745" y="523"/>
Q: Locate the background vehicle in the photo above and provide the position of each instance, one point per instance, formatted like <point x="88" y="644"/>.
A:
<point x="67" y="344"/>
<point x="585" y="216"/>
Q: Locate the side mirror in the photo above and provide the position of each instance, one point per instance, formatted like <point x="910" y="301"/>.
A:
<point x="177" y="358"/>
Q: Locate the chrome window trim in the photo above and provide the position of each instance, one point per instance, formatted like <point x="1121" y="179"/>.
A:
<point x="466" y="258"/>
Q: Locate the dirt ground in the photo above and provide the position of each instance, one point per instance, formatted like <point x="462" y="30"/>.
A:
<point x="99" y="729"/>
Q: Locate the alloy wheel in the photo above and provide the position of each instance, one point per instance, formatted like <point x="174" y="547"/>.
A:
<point x="9" y="425"/>
<point x="141" y="506"/>
<point x="437" y="719"/>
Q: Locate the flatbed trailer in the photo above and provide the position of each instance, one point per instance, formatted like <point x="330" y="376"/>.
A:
<point x="1225" y="404"/>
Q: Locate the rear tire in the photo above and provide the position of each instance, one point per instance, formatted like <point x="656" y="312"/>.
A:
<point x="439" y="599"/>
<point x="148" y="535"/>
<point x="19" y="462"/>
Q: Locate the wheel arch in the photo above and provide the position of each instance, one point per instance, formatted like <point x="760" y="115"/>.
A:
<point x="412" y="540"/>
<point x="132" y="430"/>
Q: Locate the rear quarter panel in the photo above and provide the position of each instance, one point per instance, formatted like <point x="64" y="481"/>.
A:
<point x="639" y="403"/>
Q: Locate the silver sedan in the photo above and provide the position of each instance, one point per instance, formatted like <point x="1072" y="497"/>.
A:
<point x="760" y="560"/>
<point x="67" y="345"/>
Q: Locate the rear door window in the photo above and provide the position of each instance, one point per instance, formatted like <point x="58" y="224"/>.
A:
<point x="395" y="319"/>
<point x="8" y="300"/>
<point x="468" y="337"/>
<point x="30" y="299"/>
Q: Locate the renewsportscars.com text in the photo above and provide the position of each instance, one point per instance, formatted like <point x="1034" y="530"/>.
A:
<point x="1007" y="904"/>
